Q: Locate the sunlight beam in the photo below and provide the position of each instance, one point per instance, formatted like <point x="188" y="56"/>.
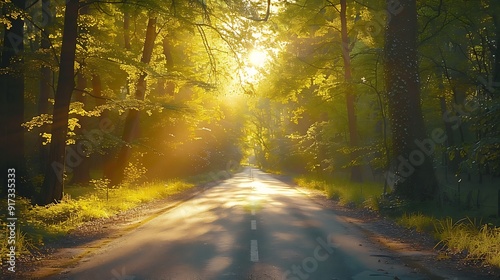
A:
<point x="258" y="58"/>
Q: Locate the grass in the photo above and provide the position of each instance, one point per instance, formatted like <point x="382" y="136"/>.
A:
<point x="80" y="204"/>
<point x="479" y="241"/>
<point x="347" y="193"/>
<point x="418" y="221"/>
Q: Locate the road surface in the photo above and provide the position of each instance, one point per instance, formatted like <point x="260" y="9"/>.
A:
<point x="251" y="226"/>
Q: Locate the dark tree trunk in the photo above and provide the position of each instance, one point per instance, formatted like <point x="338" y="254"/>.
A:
<point x="356" y="174"/>
<point x="81" y="170"/>
<point x="166" y="87"/>
<point x="413" y="164"/>
<point x="126" y="29"/>
<point x="131" y="129"/>
<point x="12" y="102"/>
<point x="45" y="81"/>
<point x="52" y="188"/>
<point x="167" y="52"/>
<point x="43" y="107"/>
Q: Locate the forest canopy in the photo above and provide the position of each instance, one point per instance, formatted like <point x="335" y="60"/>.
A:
<point x="403" y="93"/>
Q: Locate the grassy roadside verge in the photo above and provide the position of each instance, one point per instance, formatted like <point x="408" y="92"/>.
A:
<point x="37" y="225"/>
<point x="478" y="241"/>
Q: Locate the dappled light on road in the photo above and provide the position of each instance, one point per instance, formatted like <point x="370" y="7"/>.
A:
<point x="251" y="226"/>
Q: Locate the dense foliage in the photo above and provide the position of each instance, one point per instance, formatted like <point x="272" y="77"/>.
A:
<point x="370" y="90"/>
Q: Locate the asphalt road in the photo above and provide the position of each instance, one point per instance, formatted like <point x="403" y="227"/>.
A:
<point x="251" y="226"/>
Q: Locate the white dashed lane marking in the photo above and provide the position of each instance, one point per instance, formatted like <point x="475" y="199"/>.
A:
<point x="254" y="251"/>
<point x="254" y="247"/>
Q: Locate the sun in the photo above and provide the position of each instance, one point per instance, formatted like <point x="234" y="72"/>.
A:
<point x="257" y="58"/>
<point x="254" y="65"/>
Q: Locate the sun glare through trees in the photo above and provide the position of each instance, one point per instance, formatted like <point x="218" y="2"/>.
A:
<point x="254" y="71"/>
<point x="258" y="58"/>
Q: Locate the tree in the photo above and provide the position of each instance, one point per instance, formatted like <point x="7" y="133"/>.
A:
<point x="356" y="174"/>
<point x="12" y="96"/>
<point x="52" y="187"/>
<point x="414" y="173"/>
<point x="131" y="129"/>
<point x="45" y="75"/>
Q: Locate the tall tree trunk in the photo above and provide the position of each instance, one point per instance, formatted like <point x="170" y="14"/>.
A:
<point x="131" y="129"/>
<point x="356" y="174"/>
<point x="12" y="101"/>
<point x="167" y="51"/>
<point x="411" y="148"/>
<point x="45" y="80"/>
<point x="81" y="170"/>
<point x="106" y="160"/>
<point x="52" y="187"/>
<point x="163" y="86"/>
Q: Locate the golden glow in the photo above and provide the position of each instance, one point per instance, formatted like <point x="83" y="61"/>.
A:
<point x="258" y="58"/>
